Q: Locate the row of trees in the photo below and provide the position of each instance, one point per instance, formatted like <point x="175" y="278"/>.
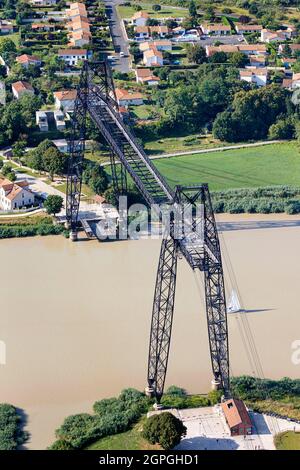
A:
<point x="11" y="433"/>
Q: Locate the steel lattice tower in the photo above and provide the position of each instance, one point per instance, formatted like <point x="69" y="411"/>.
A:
<point x="200" y="248"/>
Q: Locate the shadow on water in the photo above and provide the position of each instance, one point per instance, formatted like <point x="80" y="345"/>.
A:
<point x="254" y="225"/>
<point x="23" y="423"/>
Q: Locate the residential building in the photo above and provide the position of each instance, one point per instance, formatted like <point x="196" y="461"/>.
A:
<point x="15" y="195"/>
<point x="77" y="9"/>
<point x="178" y="30"/>
<point x="26" y="60"/>
<point x="255" y="75"/>
<point x="257" y="60"/>
<point x="247" y="28"/>
<point x="42" y="121"/>
<point x="160" y="45"/>
<point x="253" y="49"/>
<point x="146" y="76"/>
<point x="288" y="61"/>
<point x="43" y="27"/>
<point x="80" y="38"/>
<point x="294" y="48"/>
<point x="6" y="27"/>
<point x="292" y="83"/>
<point x="227" y="48"/>
<point x="216" y="29"/>
<point x="269" y="36"/>
<point x="142" y="32"/>
<point x="140" y="18"/>
<point x="20" y="88"/>
<point x="73" y="56"/>
<point x="59" y="119"/>
<point x="237" y="417"/>
<point x="65" y="100"/>
<point x="79" y="26"/>
<point x="153" y="58"/>
<point x="125" y="98"/>
<point x="62" y="145"/>
<point x="43" y="3"/>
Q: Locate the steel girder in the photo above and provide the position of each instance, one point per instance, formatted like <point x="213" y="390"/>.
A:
<point x="162" y="317"/>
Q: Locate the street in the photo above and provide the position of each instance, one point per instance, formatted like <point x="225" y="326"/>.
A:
<point x="122" y="64"/>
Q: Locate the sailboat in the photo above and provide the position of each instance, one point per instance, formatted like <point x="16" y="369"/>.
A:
<point x="234" y="305"/>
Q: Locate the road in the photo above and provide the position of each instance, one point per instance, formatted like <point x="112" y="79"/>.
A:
<point x="122" y="64"/>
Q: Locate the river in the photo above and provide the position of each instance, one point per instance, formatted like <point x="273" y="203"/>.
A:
<point x="75" y="317"/>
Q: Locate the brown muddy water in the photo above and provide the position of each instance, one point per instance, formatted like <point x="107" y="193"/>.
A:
<point x="75" y="317"/>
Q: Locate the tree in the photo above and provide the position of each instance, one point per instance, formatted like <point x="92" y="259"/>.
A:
<point x="19" y="149"/>
<point x="53" y="204"/>
<point x="164" y="429"/>
<point x="218" y="57"/>
<point x="192" y="9"/>
<point x="238" y="59"/>
<point x="156" y="7"/>
<point x="7" y="45"/>
<point x="244" y="19"/>
<point x="54" y="162"/>
<point x="195" y="53"/>
<point x="282" y="129"/>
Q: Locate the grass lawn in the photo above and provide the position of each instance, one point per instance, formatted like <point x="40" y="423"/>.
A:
<point x="277" y="164"/>
<point x="287" y="441"/>
<point x="28" y="220"/>
<point x="165" y="12"/>
<point x="181" y="144"/>
<point x="129" y="440"/>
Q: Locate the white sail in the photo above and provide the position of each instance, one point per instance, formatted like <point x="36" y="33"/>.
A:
<point x="233" y="304"/>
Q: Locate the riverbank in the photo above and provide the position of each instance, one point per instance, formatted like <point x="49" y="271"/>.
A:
<point x="35" y="225"/>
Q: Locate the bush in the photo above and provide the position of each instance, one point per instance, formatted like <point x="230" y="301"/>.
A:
<point x="252" y="388"/>
<point x="111" y="416"/>
<point x="11" y="434"/>
<point x="164" y="429"/>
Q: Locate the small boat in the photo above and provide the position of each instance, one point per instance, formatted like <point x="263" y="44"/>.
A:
<point x="234" y="305"/>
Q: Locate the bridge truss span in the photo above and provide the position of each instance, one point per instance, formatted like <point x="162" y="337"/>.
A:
<point x="199" y="246"/>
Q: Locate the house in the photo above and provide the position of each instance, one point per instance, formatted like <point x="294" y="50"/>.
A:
<point x="59" y="119"/>
<point x="77" y="9"/>
<point x="247" y="28"/>
<point x="62" y="145"/>
<point x="6" y="27"/>
<point x="227" y="48"/>
<point x="292" y="83"/>
<point x="153" y="58"/>
<point x="237" y="417"/>
<point x="269" y="36"/>
<point x="72" y="56"/>
<point x="256" y="75"/>
<point x="162" y="31"/>
<point x="253" y="49"/>
<point x="124" y="98"/>
<point x="217" y="29"/>
<point x="160" y="45"/>
<point x="140" y="18"/>
<point x="257" y="60"/>
<point x="26" y="60"/>
<point x="65" y="100"/>
<point x="294" y="48"/>
<point x="178" y="30"/>
<point x="43" y="3"/>
<point x="43" y="27"/>
<point x="288" y="62"/>
<point x="80" y="38"/>
<point x="20" y="88"/>
<point x="15" y="195"/>
<point x="41" y="119"/>
<point x="146" y="76"/>
<point x="142" y="32"/>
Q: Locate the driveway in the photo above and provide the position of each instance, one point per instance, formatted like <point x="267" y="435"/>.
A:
<point x="122" y="64"/>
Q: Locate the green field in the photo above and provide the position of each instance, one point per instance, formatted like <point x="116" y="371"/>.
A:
<point x="288" y="441"/>
<point x="277" y="164"/>
<point x="165" y="12"/>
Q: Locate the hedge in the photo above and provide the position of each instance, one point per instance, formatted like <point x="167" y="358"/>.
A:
<point x="11" y="434"/>
<point x="14" y="231"/>
<point x="271" y="199"/>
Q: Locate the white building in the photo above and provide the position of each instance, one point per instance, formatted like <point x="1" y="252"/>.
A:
<point x="145" y="76"/>
<point x="43" y="3"/>
<point x="153" y="58"/>
<point x="65" y="100"/>
<point x="59" y="118"/>
<point x="15" y="195"/>
<point x="217" y="29"/>
<point x="62" y="145"/>
<point x="6" y="27"/>
<point x="247" y="28"/>
<point x="258" y="76"/>
<point x="42" y="120"/>
<point x="140" y="18"/>
<point x="269" y="36"/>
<point x="124" y="98"/>
<point x="73" y="56"/>
<point x="20" y="88"/>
